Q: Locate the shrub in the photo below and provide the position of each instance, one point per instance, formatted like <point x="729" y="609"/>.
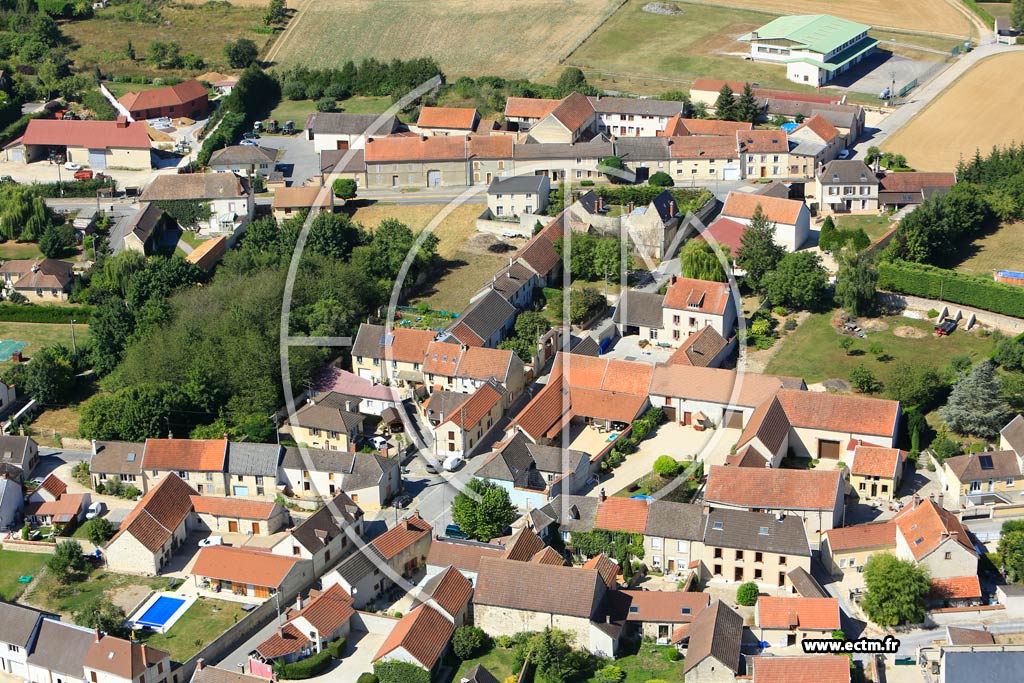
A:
<point x="932" y="313"/>
<point x="34" y="313"/>
<point x="504" y="642"/>
<point x="660" y="179"/>
<point x="345" y="188"/>
<point x="780" y="311"/>
<point x="305" y="668"/>
<point x="469" y="642"/>
<point x="367" y="678"/>
<point x="670" y="654"/>
<point x="400" y="672"/>
<point x="746" y="594"/>
<point x="609" y="674"/>
<point x="665" y="466"/>
<point x="586" y="183"/>
<point x="337" y="648"/>
<point x="789" y="325"/>
<point x="326" y="104"/>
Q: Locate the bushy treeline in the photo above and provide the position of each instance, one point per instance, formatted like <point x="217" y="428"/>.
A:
<point x="371" y="77"/>
<point x="931" y="282"/>
<point x="255" y="93"/>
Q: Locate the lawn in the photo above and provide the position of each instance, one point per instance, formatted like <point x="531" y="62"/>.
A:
<point x="298" y="110"/>
<point x="498" y="661"/>
<point x="648" y="662"/>
<point x="119" y="89"/>
<point x="996" y="9"/>
<point x="66" y="600"/>
<point x="466" y="273"/>
<point x="40" y="335"/>
<point x="19" y="250"/>
<point x="200" y="29"/>
<point x="205" y="620"/>
<point x="812" y="351"/>
<point x="651" y="483"/>
<point x="999" y="250"/>
<point x="465" y="37"/>
<point x="874" y="226"/>
<point x="14" y="565"/>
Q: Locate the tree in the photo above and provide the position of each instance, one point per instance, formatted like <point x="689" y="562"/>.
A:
<point x="344" y="188"/>
<point x="725" y="105"/>
<point x="896" y="591"/>
<point x="855" y="283"/>
<point x="275" y="13"/>
<point x="665" y="466"/>
<point x="613" y="167"/>
<point x="609" y="674"/>
<point x="56" y="240"/>
<point x="483" y="510"/>
<point x="1011" y="553"/>
<point x="976" y="404"/>
<point x="556" y="661"/>
<point x="746" y="107"/>
<point x="913" y="384"/>
<point x="334" y="235"/>
<point x="747" y="594"/>
<point x="661" y="179"/>
<point x="469" y="642"/>
<point x="67" y="560"/>
<point x="572" y="80"/>
<point x="50" y="376"/>
<point x="129" y="51"/>
<point x="872" y="155"/>
<point x="759" y="253"/>
<point x="326" y="104"/>
<point x="99" y="530"/>
<point x="864" y="380"/>
<point x="241" y="53"/>
<point x="827" y="234"/>
<point x="584" y="304"/>
<point x="798" y="281"/>
<point x="110" y="327"/>
<point x="699" y="261"/>
<point x="101" y="614"/>
<point x="846" y="343"/>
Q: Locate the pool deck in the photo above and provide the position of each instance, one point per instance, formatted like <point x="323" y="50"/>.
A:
<point x="186" y="601"/>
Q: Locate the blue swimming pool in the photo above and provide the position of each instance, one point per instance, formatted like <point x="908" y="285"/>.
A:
<point x="160" y="612"/>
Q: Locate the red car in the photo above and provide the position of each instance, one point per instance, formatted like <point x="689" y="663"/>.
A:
<point x="84" y="174"/>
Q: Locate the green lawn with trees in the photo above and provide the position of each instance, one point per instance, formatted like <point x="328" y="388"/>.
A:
<point x="200" y="624"/>
<point x="14" y="565"/>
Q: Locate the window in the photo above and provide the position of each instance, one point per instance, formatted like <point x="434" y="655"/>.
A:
<point x="160" y="667"/>
<point x="717" y="571"/>
<point x="259" y="479"/>
<point x="656" y="543"/>
<point x="675" y="320"/>
<point x="92" y="676"/>
<point x="739" y="555"/>
<point x="718" y="553"/>
<point x="12" y="648"/>
<point x="675" y="335"/>
<point x="681" y="547"/>
<point x="782" y="559"/>
<point x="862" y="486"/>
<point x="949" y="556"/>
<point x="1009" y="482"/>
<point x="758" y="557"/>
<point x="499" y="210"/>
<point x="757" y="575"/>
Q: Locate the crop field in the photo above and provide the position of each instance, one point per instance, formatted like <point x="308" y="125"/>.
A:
<point x="466" y="37"/>
<point x="1002" y="249"/>
<point x="996" y="81"/>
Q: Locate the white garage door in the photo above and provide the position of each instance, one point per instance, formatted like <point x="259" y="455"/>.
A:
<point x="16" y="154"/>
<point x="731" y="173"/>
<point x="433" y="178"/>
<point x="97" y="159"/>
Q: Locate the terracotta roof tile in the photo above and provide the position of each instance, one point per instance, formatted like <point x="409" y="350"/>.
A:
<point x="241" y="565"/>
<point x="665" y="606"/>
<point x="605" y="566"/>
<point x="547" y="406"/>
<point x="821" y="127"/>
<point x="876" y="461"/>
<point x="573" y="111"/>
<point x="186" y="455"/>
<point x="875" y="535"/>
<point x="763" y="141"/>
<point x="841" y="413"/>
<point x="925" y="526"/>
<point x="234" y="507"/>
<point x="548" y="556"/>
<point x="703" y="147"/>
<point x="479" y="405"/>
<point x="158" y="514"/>
<point x="300" y="198"/>
<point x="329" y="610"/>
<point x="54" y="486"/>
<point x="699" y="349"/>
<point x="627" y="377"/>
<point x="285" y="641"/>
<point x="450" y="590"/>
<point x="716" y="632"/>
<point x="680" y="126"/>
<point x="717" y="385"/>
<point x="174" y="95"/>
<point x="726" y="233"/>
<point x="606" y="405"/>
<point x="122" y="658"/>
<point x="957" y="587"/>
<point x="805" y="669"/>
<point x="93" y="134"/>
<point x="743" y="205"/>
<point x="404" y="534"/>
<point x="774" y="489"/>
<point x="463" y="118"/>
<point x="523" y="546"/>
<point x="819" y="614"/>
<point x="569" y="591"/>
<point x="914" y="181"/>
<point x="464" y="556"/>
<point x="622" y="514"/>
<point x="491" y="146"/>
<point x="529" y="107"/>
<point x="958" y="635"/>
<point x="401" y="148"/>
<point x="423" y="633"/>
<point x="702" y="296"/>
<point x="484" y="363"/>
<point x="769" y="425"/>
<point x="400" y="344"/>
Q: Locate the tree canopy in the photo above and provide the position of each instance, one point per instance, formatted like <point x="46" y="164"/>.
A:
<point x="484" y="514"/>
<point x="896" y="591"/>
<point x="976" y="405"/>
<point x="759" y="253"/>
<point x="855" y="283"/>
<point x="699" y="261"/>
<point x="798" y="281"/>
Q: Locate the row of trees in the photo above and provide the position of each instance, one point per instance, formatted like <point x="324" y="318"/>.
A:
<point x="728" y="107"/>
<point x="370" y="77"/>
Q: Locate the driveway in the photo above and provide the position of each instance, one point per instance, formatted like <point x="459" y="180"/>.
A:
<point x="297" y="158"/>
<point x="360" y="649"/>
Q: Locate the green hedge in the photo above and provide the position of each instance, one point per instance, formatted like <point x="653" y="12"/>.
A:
<point x="72" y="187"/>
<point x="400" y="672"/>
<point x="305" y="668"/>
<point x="947" y="285"/>
<point x="686" y="199"/>
<point x="32" y="313"/>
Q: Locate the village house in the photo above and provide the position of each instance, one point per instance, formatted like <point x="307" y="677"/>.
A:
<point x="252" y="469"/>
<point x="450" y="592"/>
<point x="679" y="126"/>
<point x="844" y="552"/>
<point x="975" y="478"/>
<point x="250" y="573"/>
<point x="816" y="48"/>
<point x="845" y="186"/>
<point x="562" y="160"/>
<point x="239" y="516"/>
<point x="393" y="355"/>
<point x="910" y="188"/>
<point x="741" y="546"/>
<point x="876" y="471"/>
<point x="629" y="116"/>
<point x="372" y="398"/>
<point x="97" y="144"/>
<point x="201" y="462"/>
<point x="146" y="229"/>
<point x="38" y="280"/>
<point x="657" y="615"/>
<point x="653" y="228"/>
<point x="290" y="201"/>
<point x="691" y="305"/>
<point x="403" y="548"/>
<point x="464" y="369"/>
<point x="703" y="158"/>
<point x="672" y="534"/>
<point x="188" y="99"/>
<point x="540" y="255"/>
<point x="790" y="620"/>
<point x="50" y="504"/>
<point x="534" y="474"/>
<point x="464" y="555"/>
<point x="955" y="592"/>
<point x="312" y="624"/>
<point x="370" y="479"/>
<point x="58" y="652"/>
<point x="208" y="253"/>
<point x="416" y="162"/>
<point x="230" y="199"/>
<point x="154" y="529"/>
<point x="815" y="496"/>
<point x="116" y="660"/>
<point x="820" y="669"/>
<point x="791" y="218"/>
<point x="327" y="536"/>
<point x="487" y="320"/>
<point x="12" y="500"/>
<point x="764" y="153"/>
<point x="703" y="349"/>
<point x="447" y="120"/>
<point x="338" y="131"/>
<point x="522" y="113"/>
<point x="518" y="196"/>
<point x="714" y="651"/>
<point x="19" y="627"/>
<point x="490" y="157"/>
<point x="244" y="160"/>
<point x="571" y="120"/>
<point x="327" y="426"/>
<point x="463" y="430"/>
<point x="19" y="455"/>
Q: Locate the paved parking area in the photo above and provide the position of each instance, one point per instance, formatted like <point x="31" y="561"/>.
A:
<point x="297" y="159"/>
<point x="877" y="72"/>
<point x="628" y="348"/>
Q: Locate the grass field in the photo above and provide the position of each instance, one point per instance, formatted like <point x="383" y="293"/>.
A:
<point x="13" y="565"/>
<point x="996" y="9"/>
<point x="465" y="37"/>
<point x="453" y="231"/>
<point x="874" y="226"/>
<point x="999" y="250"/>
<point x="66" y="600"/>
<point x="203" y="622"/>
<point x="18" y="250"/>
<point x="40" y="335"/>
<point x="812" y="351"/>
<point x="961" y="133"/>
<point x="202" y="29"/>
<point x="298" y="110"/>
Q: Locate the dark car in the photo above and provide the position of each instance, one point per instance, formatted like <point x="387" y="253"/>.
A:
<point x="453" y="531"/>
<point x="402" y="501"/>
<point x="945" y="328"/>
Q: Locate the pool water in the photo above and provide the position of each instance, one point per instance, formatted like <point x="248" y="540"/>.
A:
<point x="9" y="346"/>
<point x="160" y="612"/>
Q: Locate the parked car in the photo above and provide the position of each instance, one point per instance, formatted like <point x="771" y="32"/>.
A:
<point x="83" y="174"/>
<point x="378" y="441"/>
<point x="96" y="510"/>
<point x="71" y="166"/>
<point x="453" y="462"/>
<point x="402" y="501"/>
<point x="845" y="154"/>
<point x="251" y="136"/>
<point x="211" y="540"/>
<point x="453" y="531"/>
<point x="6" y="179"/>
<point x="249" y="143"/>
<point x="431" y="467"/>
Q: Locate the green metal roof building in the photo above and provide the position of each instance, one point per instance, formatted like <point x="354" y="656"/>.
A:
<point x="814" y="47"/>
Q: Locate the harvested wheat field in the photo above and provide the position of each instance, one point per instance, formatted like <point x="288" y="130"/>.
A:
<point x="928" y="16"/>
<point x="962" y="128"/>
<point x="466" y="37"/>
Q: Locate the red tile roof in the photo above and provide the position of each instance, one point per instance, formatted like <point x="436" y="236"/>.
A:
<point x="925" y="526"/>
<point x="401" y="148"/>
<point x="703" y="147"/>
<point x="285" y="641"/>
<point x="153" y="521"/>
<point x="234" y="507"/>
<point x="122" y="658"/>
<point x="774" y="489"/>
<point x="423" y="633"/>
<point x="606" y="568"/>
<point x="665" y="606"/>
<point x="329" y="610"/>
<point x="185" y="455"/>
<point x="717" y="385"/>
<point x="841" y="413"/>
<point x="769" y="425"/>
<point x="62" y="510"/>
<point x="241" y="565"/>
<point x="763" y="141"/>
<point x="451" y="591"/>
<point x="699" y="349"/>
<point x="479" y="406"/>
<point x="957" y="587"/>
<point x="573" y="111"/>
<point x="529" y="107"/>
<point x="91" y="134"/>
<point x="54" y="486"/>
<point x="862" y="536"/>
<point x="523" y="546"/>
<point x="821" y="127"/>
<point x="805" y="669"/>
<point x="678" y="125"/>
<point x="491" y="146"/>
<point x="701" y="296"/>
<point x="914" y="181"/>
<point x="442" y="358"/>
<point x="460" y="555"/>
<point x="876" y="461"/>
<point x="548" y="556"/>
<point x="821" y="614"/>
<point x="401" y="536"/>
<point x="171" y="96"/>
<point x="778" y="210"/>
<point x="622" y="514"/>
<point x="447" y="117"/>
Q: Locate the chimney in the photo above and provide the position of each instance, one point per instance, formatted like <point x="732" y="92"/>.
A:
<point x="753" y="35"/>
<point x="98" y="636"/>
<point x="122" y="122"/>
<point x="298" y="603"/>
<point x="170" y="434"/>
<point x="939" y="501"/>
<point x="672" y="208"/>
<point x="917" y="500"/>
<point x="423" y="138"/>
<point x="94" y="446"/>
<point x="200" y="664"/>
<point x="673" y="279"/>
<point x="145" y="657"/>
<point x="241" y="667"/>
<point x="602" y="496"/>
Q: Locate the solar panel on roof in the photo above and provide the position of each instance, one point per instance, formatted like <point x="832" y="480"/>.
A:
<point x="985" y="461"/>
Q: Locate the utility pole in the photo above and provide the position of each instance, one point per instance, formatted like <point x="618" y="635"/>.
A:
<point x="74" y="346"/>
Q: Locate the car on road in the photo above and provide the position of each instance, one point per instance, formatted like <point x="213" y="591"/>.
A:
<point x="96" y="510"/>
<point x="71" y="166"/>
<point x="249" y="143"/>
<point x="211" y="541"/>
<point x="845" y="154"/>
<point x="402" y="501"/>
<point x="431" y="467"/>
<point x="453" y="462"/>
<point x="83" y="174"/>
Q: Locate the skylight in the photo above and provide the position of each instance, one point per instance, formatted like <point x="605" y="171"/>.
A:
<point x="986" y="462"/>
<point x="718" y="526"/>
<point x="763" y="531"/>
